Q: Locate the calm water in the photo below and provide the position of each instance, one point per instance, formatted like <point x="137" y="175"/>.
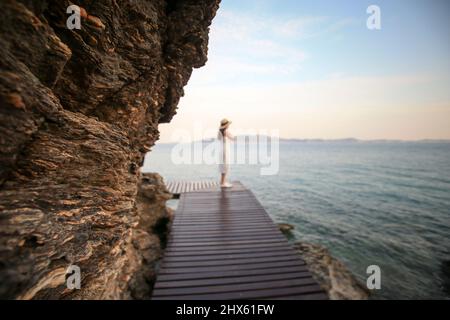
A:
<point x="370" y="203"/>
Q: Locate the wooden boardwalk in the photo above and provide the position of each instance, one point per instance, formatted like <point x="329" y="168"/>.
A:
<point x="224" y="246"/>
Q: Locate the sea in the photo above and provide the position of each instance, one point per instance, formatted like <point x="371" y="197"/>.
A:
<point x="384" y="203"/>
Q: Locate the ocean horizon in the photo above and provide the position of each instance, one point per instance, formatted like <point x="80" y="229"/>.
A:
<point x="320" y="140"/>
<point x="382" y="203"/>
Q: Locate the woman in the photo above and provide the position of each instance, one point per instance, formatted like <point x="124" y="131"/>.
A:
<point x="224" y="136"/>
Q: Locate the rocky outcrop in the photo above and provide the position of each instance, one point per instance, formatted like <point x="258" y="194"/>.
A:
<point x="78" y="111"/>
<point x="150" y="235"/>
<point x="332" y="275"/>
<point x="286" y="228"/>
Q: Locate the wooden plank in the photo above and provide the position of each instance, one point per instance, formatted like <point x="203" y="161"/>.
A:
<point x="224" y="220"/>
<point x="236" y="287"/>
<point x="208" y="208"/>
<point x="248" y="266"/>
<point x="220" y="234"/>
<point x="231" y="280"/>
<point x="229" y="226"/>
<point x="211" y="254"/>
<point x="251" y="254"/>
<point x="215" y="214"/>
<point x="228" y="262"/>
<point x="177" y="187"/>
<point x="254" y="294"/>
<point x="223" y="248"/>
<point x="214" y="224"/>
<point x="238" y="229"/>
<point x="220" y="230"/>
<point x="218" y="212"/>
<point x="225" y="228"/>
<point x="222" y="238"/>
<point x="180" y="187"/>
<point x="239" y="274"/>
<point x="308" y="296"/>
<point x="227" y="243"/>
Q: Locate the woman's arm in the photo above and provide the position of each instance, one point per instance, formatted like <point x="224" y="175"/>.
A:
<point x="230" y="136"/>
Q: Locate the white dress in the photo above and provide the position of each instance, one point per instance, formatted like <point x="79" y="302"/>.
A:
<point x="224" y="157"/>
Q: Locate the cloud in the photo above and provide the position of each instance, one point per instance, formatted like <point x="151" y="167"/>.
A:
<point x="298" y="28"/>
<point x="245" y="46"/>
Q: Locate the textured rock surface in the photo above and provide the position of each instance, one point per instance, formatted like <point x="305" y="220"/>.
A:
<point x="286" y="228"/>
<point x="150" y="236"/>
<point x="78" y="111"/>
<point x="331" y="274"/>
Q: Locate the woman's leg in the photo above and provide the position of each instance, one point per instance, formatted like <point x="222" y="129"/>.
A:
<point x="222" y="178"/>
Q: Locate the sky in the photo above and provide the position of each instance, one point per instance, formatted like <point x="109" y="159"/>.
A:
<point x="312" y="69"/>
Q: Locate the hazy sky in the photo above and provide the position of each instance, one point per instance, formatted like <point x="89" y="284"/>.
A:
<point x="312" y="69"/>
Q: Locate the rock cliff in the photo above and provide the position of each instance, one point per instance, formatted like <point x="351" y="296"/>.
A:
<point x="332" y="274"/>
<point x="78" y="111"/>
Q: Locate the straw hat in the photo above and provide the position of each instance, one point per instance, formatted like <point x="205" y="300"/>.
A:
<point x="225" y="123"/>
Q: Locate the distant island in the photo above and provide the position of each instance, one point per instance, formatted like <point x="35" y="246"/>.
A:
<point x="318" y="140"/>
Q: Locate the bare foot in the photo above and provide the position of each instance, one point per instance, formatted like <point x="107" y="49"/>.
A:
<point x="226" y="185"/>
